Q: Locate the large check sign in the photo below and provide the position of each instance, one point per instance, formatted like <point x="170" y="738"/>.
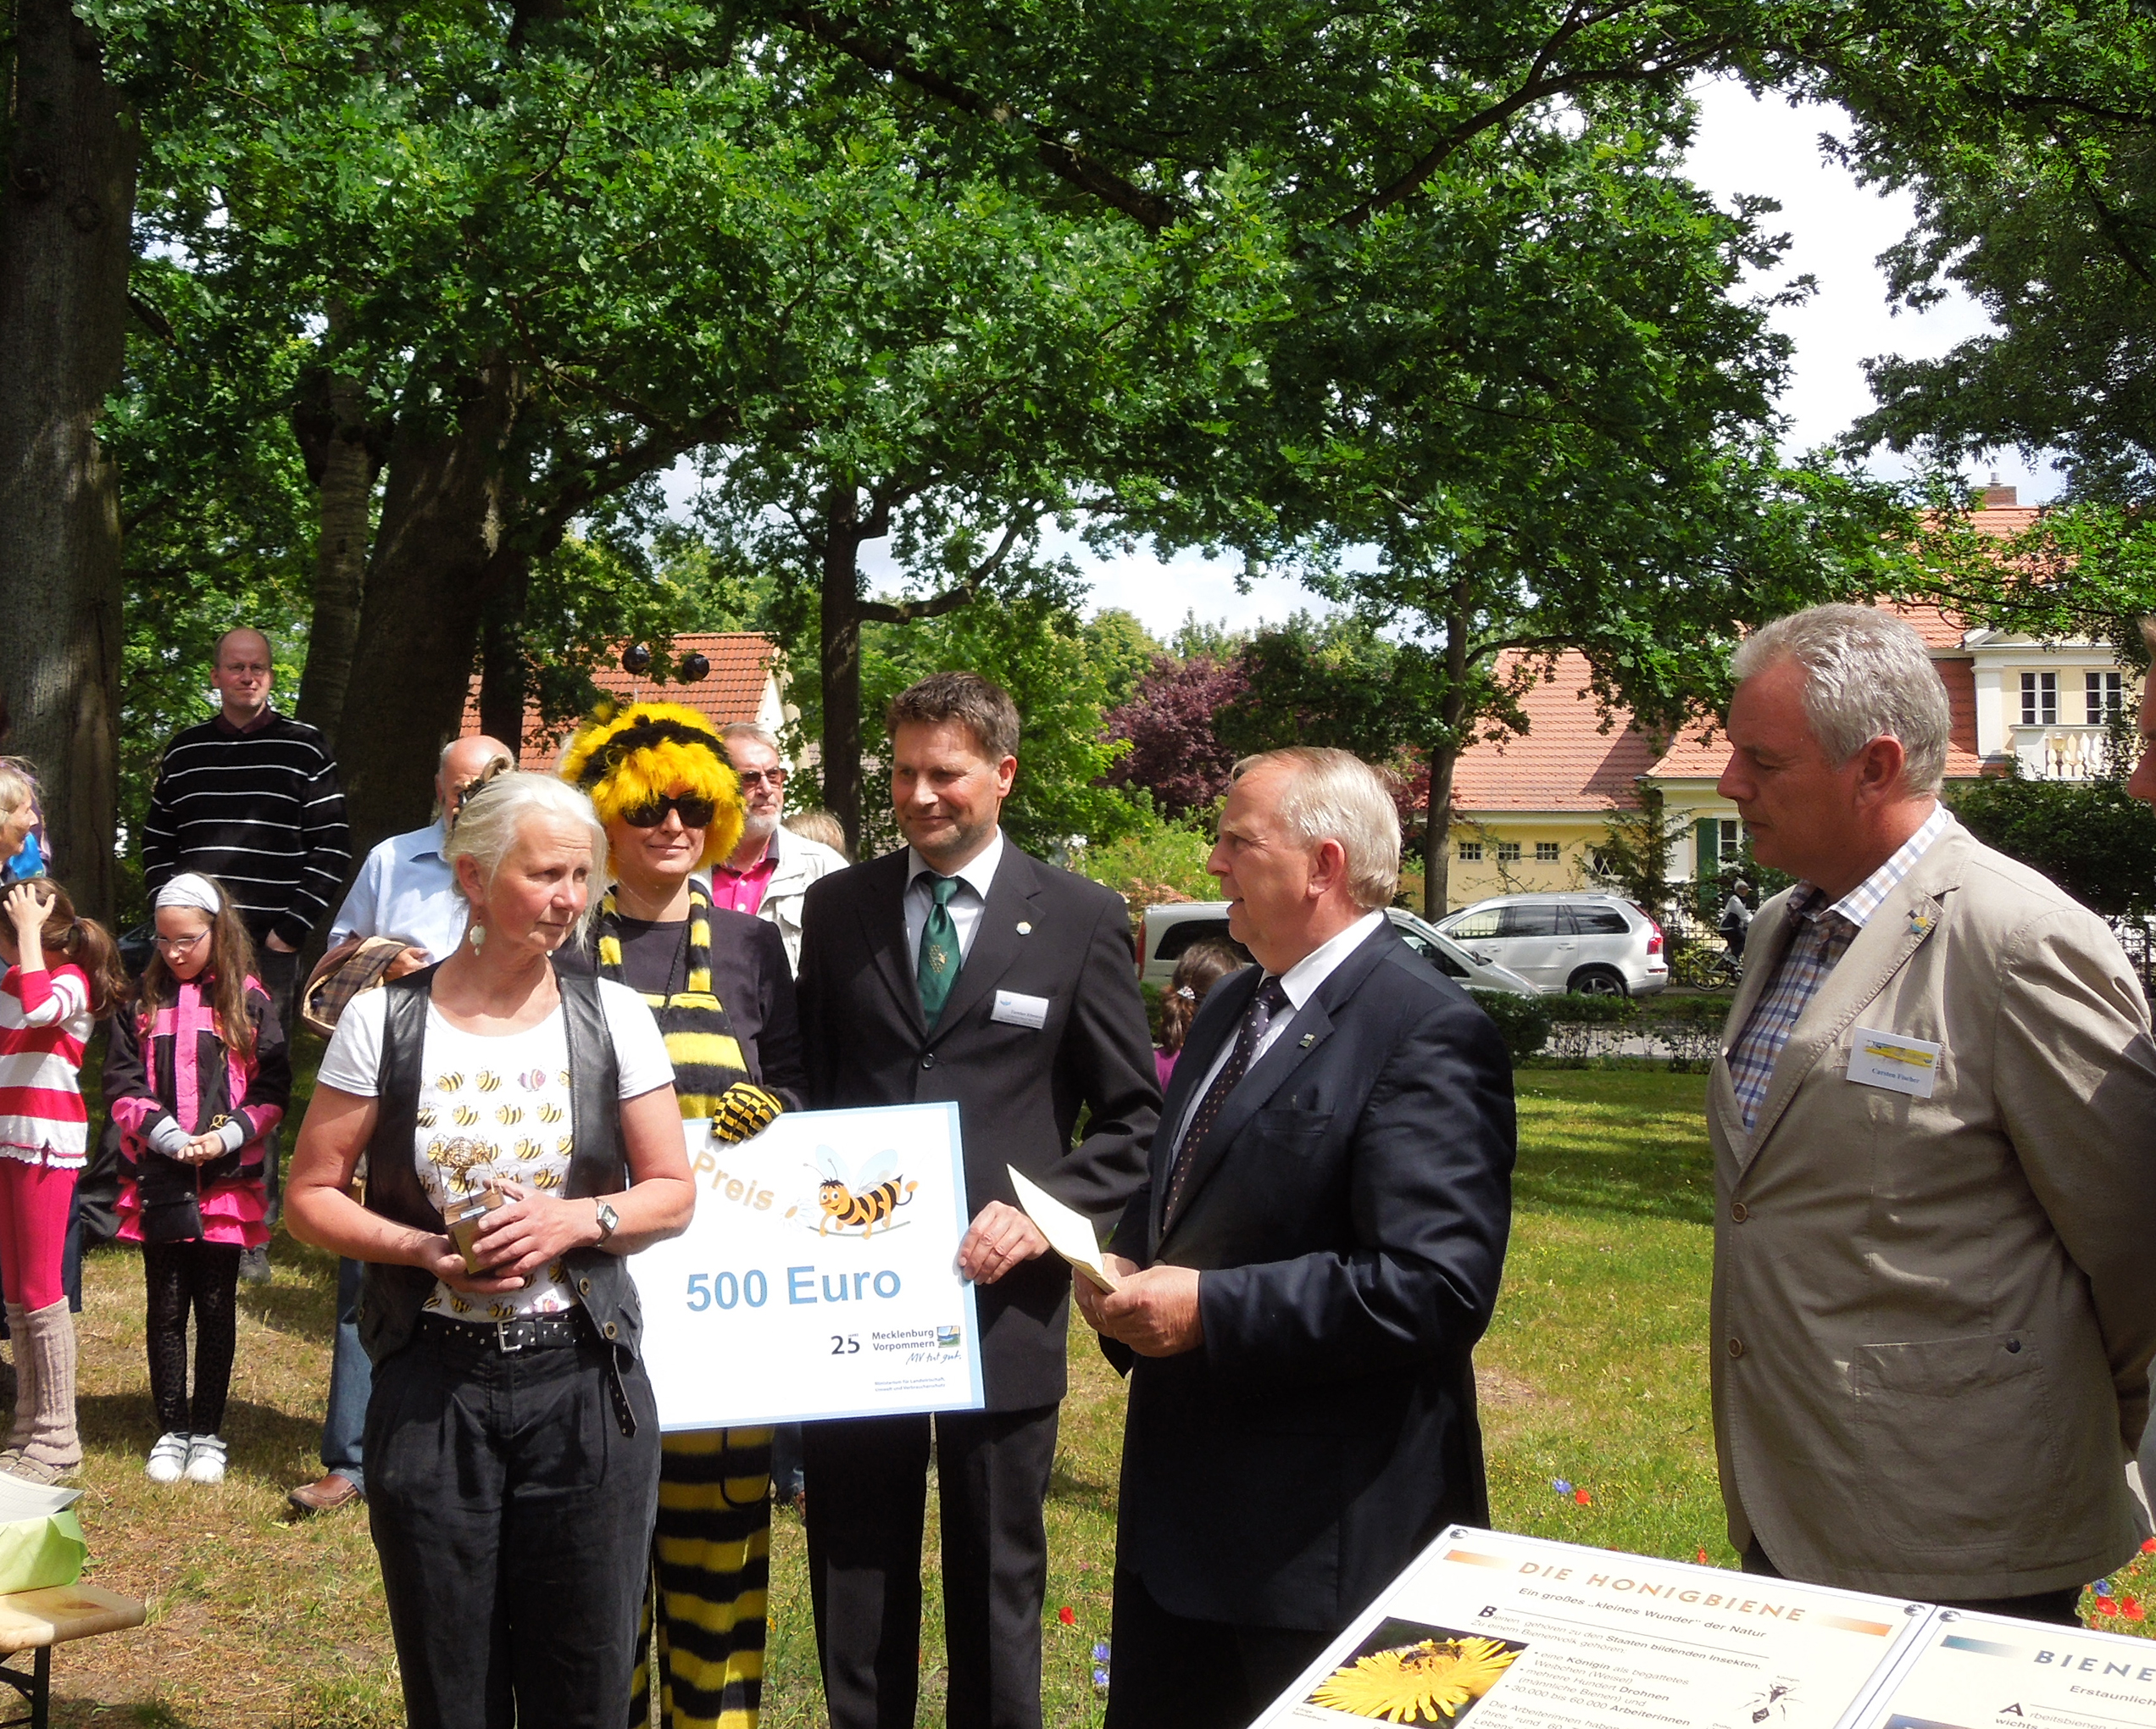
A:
<point x="818" y="1277"/>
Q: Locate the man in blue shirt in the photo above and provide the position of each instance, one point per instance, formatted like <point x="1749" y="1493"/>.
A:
<point x="405" y="889"/>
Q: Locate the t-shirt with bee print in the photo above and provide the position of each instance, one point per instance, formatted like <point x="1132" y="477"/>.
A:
<point x="496" y="1109"/>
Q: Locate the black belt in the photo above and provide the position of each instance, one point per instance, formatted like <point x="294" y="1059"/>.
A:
<point x="530" y="1332"/>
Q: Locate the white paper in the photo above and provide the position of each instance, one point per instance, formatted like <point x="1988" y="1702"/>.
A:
<point x="1069" y="1231"/>
<point x="22" y="1500"/>
<point x="818" y="1276"/>
<point x="1573" y="1637"/>
<point x="1980" y="1672"/>
<point x="1895" y="1061"/>
<point x="1016" y="1009"/>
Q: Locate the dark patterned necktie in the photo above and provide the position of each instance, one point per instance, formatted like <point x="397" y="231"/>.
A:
<point x="1269" y="1001"/>
<point x="937" y="969"/>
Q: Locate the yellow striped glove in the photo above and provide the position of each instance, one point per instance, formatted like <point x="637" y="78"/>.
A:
<point x="744" y="1110"/>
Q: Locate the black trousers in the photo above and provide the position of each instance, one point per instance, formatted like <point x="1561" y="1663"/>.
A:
<point x="867" y="1481"/>
<point x="1168" y="1671"/>
<point x="279" y="976"/>
<point x="2060" y="1608"/>
<point x="514" y="1522"/>
<point x="203" y="1276"/>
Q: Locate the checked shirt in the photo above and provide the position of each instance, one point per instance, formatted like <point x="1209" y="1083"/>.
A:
<point x="1822" y="935"/>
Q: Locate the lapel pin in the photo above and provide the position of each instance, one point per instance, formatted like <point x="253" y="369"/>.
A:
<point x="1025" y="929"/>
<point x="1919" y="924"/>
<point x="1309" y="1039"/>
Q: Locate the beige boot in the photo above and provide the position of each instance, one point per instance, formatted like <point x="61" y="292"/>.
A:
<point x="55" y="1450"/>
<point x="25" y="1386"/>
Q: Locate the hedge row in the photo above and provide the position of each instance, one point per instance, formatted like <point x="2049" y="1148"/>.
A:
<point x="1525" y="1022"/>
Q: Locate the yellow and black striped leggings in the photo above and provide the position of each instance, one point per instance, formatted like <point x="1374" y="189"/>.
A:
<point x="711" y="1568"/>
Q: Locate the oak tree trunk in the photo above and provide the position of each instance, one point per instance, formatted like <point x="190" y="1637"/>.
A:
<point x="1451" y="711"/>
<point x="502" y="680"/>
<point x="345" y="490"/>
<point x="66" y="209"/>
<point x="840" y="646"/>
<point x="438" y="558"/>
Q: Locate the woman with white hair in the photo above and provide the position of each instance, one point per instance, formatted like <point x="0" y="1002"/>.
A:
<point x="521" y="1136"/>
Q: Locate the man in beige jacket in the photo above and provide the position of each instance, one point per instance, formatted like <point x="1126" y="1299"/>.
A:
<point x="1934" y="1125"/>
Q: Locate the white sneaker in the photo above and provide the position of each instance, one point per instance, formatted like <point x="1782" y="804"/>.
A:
<point x="206" y="1459"/>
<point x="168" y="1459"/>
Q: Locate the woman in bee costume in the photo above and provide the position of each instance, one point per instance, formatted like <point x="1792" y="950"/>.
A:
<point x="718" y="985"/>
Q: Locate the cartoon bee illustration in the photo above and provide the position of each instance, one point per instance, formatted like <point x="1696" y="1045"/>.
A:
<point x="866" y="1200"/>
<point x="426" y="1116"/>
<point x="546" y="1179"/>
<point x="562" y="1075"/>
<point x="507" y="1115"/>
<point x="464" y="1116"/>
<point x="529" y="1149"/>
<point x="550" y="1113"/>
<point x="554" y="1271"/>
<point x="565" y="1145"/>
<point x="501" y="1311"/>
<point x="447" y="1083"/>
<point x="458" y="1304"/>
<point x="531" y="1080"/>
<point x="487" y="1081"/>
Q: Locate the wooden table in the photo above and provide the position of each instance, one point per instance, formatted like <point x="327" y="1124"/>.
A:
<point x="37" y="1620"/>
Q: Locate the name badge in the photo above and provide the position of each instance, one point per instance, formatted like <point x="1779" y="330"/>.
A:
<point x="1015" y="1008"/>
<point x="1895" y="1061"/>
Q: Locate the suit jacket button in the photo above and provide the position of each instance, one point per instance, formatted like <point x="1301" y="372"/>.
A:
<point x="1739" y="1211"/>
<point x="928" y="1060"/>
<point x="1736" y="1346"/>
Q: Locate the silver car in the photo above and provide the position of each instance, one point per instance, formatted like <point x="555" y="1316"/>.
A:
<point x="1169" y="930"/>
<point x="1601" y="945"/>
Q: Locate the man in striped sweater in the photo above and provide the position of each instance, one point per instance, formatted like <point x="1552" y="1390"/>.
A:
<point x="251" y="797"/>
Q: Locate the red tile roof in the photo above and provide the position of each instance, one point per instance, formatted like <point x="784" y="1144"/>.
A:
<point x="741" y="661"/>
<point x="1564" y="761"/>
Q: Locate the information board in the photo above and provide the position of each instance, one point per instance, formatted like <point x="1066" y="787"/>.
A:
<point x="1493" y="1632"/>
<point x="1980" y="1672"/>
<point x="818" y="1277"/>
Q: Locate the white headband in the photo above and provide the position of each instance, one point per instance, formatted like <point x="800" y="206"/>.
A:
<point x="189" y="889"/>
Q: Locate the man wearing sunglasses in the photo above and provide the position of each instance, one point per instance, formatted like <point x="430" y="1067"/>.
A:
<point x="768" y="874"/>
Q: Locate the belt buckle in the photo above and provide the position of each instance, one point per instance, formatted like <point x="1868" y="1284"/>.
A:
<point x="502" y="1336"/>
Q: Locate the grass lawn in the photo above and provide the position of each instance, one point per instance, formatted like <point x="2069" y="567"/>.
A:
<point x="1594" y="1373"/>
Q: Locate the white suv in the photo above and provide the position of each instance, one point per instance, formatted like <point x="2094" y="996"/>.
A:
<point x="1171" y="929"/>
<point x="1600" y="944"/>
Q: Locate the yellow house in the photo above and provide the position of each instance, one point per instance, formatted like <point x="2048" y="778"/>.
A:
<point x="1529" y="812"/>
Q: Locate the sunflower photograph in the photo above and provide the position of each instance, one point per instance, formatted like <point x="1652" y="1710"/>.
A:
<point x="1407" y="1673"/>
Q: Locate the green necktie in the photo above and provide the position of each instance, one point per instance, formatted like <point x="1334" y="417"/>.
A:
<point x="937" y="970"/>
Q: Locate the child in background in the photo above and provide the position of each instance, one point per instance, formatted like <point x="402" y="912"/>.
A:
<point x="63" y="975"/>
<point x="198" y="1077"/>
<point x="1203" y="964"/>
<point x="22" y="824"/>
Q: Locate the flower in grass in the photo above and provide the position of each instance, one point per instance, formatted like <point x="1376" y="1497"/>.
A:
<point x="1411" y="1683"/>
<point x="1100" y="1664"/>
<point x="2148" y="1545"/>
<point x="1067" y="1616"/>
<point x="1702" y="1558"/>
<point x="2102" y="1587"/>
<point x="2129" y="1609"/>
<point x="1583" y="1498"/>
<point x="2106" y="1605"/>
<point x="1562" y="1487"/>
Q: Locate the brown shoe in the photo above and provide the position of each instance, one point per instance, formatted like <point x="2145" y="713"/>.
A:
<point x="326" y="1496"/>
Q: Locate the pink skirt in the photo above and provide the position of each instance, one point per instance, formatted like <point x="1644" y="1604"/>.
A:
<point x="234" y="1213"/>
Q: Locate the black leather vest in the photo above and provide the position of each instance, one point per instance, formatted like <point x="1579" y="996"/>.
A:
<point x="391" y="1297"/>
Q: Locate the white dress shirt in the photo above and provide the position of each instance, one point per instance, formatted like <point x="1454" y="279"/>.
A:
<point x="406" y="889"/>
<point x="968" y="902"/>
<point x="1299" y="983"/>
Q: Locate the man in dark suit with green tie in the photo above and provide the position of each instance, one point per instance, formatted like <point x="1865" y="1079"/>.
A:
<point x="959" y="968"/>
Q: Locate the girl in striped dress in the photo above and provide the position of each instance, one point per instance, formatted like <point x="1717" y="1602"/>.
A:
<point x="198" y="1079"/>
<point x="63" y="975"/>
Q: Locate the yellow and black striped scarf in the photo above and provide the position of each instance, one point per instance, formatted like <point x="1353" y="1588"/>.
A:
<point x="699" y="1037"/>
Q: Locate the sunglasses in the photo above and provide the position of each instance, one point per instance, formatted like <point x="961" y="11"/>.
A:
<point x="694" y="812"/>
<point x="757" y="777"/>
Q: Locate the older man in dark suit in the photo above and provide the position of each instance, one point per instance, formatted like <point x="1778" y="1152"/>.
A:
<point x="1306" y="1272"/>
<point x="960" y="969"/>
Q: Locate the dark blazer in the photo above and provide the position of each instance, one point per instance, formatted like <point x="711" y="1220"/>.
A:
<point x="1349" y="1214"/>
<point x="1043" y="933"/>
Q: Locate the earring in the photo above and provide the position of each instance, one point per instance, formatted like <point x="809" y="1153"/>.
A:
<point x="478" y="935"/>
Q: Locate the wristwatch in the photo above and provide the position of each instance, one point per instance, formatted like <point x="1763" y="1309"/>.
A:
<point x="609" y="1219"/>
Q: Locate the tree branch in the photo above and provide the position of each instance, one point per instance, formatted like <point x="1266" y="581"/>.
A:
<point x="1151" y="211"/>
<point x="964" y="593"/>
